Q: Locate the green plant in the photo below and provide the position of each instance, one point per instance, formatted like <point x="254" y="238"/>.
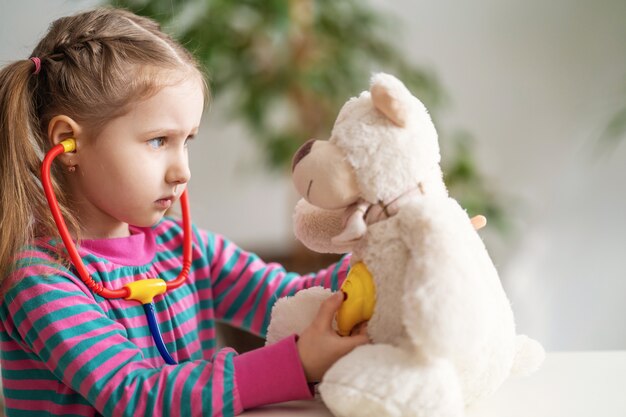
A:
<point x="287" y="66"/>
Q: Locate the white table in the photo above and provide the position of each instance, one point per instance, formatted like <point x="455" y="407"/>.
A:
<point x="569" y="384"/>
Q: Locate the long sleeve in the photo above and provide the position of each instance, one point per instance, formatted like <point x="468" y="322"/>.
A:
<point x="52" y="319"/>
<point x="66" y="351"/>
<point x="245" y="288"/>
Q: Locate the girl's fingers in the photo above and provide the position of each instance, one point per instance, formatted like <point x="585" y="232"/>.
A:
<point x="351" y="342"/>
<point x="359" y="334"/>
<point x="360" y="328"/>
<point x="327" y="310"/>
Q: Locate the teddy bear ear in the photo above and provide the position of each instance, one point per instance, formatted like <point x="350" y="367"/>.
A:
<point x="391" y="98"/>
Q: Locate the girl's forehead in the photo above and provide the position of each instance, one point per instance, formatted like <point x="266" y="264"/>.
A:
<point x="154" y="85"/>
<point x="173" y="95"/>
<point x="173" y="107"/>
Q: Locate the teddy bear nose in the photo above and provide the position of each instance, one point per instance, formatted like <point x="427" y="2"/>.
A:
<point x="301" y="153"/>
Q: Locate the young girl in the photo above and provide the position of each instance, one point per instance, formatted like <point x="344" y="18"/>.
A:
<point x="131" y="98"/>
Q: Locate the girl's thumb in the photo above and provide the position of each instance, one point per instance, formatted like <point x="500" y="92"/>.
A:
<point x="329" y="307"/>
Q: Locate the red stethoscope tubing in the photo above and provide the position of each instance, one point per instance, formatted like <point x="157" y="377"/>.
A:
<point x="73" y="252"/>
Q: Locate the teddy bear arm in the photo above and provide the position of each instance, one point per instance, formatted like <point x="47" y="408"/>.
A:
<point x="292" y="314"/>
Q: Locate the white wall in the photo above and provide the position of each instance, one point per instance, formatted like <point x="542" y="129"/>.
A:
<point x="535" y="82"/>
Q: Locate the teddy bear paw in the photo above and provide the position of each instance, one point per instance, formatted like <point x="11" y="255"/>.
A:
<point x="384" y="381"/>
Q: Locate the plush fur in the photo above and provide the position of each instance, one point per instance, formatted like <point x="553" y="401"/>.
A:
<point x="443" y="331"/>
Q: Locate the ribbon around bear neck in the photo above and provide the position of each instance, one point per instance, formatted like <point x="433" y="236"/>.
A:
<point x="363" y="213"/>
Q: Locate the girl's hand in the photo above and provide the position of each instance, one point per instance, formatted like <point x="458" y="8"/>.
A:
<point x="320" y="346"/>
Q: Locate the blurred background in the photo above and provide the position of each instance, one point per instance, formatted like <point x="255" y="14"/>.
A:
<point x="529" y="98"/>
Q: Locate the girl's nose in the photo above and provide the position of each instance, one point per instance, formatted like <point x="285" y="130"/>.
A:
<point x="178" y="172"/>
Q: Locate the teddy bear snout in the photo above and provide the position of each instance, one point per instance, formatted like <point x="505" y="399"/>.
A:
<point x="303" y="151"/>
<point x="323" y="176"/>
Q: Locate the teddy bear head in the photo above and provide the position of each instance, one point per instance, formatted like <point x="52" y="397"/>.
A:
<point x="382" y="145"/>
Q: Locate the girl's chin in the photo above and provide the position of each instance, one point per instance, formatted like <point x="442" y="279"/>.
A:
<point x="148" y="222"/>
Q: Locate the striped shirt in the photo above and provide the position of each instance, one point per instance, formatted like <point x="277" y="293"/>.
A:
<point x="65" y="351"/>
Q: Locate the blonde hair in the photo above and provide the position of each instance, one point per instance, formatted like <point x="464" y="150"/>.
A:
<point x="93" y="66"/>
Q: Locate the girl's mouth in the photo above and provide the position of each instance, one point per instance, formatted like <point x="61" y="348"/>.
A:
<point x="163" y="203"/>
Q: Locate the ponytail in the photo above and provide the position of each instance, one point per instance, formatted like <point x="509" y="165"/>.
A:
<point x="24" y="213"/>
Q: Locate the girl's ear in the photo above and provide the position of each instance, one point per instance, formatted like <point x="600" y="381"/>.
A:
<point x="64" y="127"/>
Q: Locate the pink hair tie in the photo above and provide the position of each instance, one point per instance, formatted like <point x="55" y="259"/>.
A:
<point x="37" y="63"/>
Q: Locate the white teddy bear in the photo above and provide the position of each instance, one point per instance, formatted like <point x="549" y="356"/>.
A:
<point x="442" y="328"/>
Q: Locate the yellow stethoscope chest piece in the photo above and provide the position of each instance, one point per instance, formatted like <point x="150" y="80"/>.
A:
<point x="360" y="298"/>
<point x="145" y="290"/>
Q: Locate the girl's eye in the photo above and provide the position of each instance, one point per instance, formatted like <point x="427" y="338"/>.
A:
<point x="190" y="137"/>
<point x="156" y="143"/>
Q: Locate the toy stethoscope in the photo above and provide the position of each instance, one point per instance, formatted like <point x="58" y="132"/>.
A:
<point x="142" y="291"/>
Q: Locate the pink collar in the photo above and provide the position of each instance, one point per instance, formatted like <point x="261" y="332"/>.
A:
<point x="135" y="250"/>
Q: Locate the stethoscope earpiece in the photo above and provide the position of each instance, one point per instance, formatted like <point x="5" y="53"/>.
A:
<point x="69" y="145"/>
